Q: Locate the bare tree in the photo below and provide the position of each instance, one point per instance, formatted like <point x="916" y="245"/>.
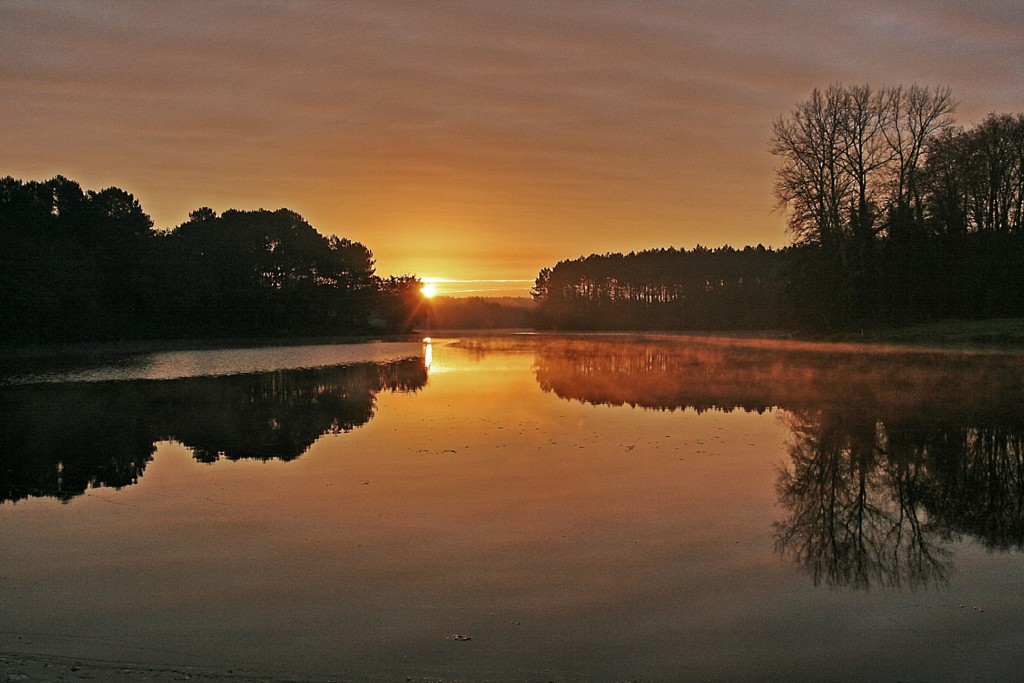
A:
<point x="850" y="154"/>
<point x="812" y="182"/>
<point x="865" y="156"/>
<point x="911" y="117"/>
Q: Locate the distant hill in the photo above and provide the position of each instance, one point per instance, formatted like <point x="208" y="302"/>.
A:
<point x="477" y="313"/>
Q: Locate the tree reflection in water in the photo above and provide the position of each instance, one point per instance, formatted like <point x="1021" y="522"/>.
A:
<point x="855" y="513"/>
<point x="60" y="439"/>
<point x="894" y="453"/>
<point x="875" y="502"/>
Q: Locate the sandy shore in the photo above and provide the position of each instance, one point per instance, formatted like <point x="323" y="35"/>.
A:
<point x="29" y="667"/>
<point x="49" y="668"/>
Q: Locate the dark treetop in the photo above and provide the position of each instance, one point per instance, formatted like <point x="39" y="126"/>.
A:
<point x="84" y="265"/>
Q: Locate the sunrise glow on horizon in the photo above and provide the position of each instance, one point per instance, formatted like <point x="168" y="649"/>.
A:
<point x="473" y="142"/>
<point x="440" y="286"/>
<point x="471" y="340"/>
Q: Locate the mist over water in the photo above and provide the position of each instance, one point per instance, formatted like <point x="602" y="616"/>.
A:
<point x="531" y="507"/>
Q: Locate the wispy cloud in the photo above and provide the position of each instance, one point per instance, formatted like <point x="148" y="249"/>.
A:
<point x="546" y="129"/>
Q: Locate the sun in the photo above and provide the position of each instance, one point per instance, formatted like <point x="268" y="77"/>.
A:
<point x="429" y="290"/>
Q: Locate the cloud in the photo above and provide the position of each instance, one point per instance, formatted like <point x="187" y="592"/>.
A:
<point x="573" y="127"/>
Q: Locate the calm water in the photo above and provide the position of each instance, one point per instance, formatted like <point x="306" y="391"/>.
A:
<point x="521" y="508"/>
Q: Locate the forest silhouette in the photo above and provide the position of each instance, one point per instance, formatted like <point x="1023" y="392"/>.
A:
<point x="88" y="265"/>
<point x="897" y="216"/>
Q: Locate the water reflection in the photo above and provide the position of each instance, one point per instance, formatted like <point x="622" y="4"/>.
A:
<point x="875" y="501"/>
<point x="893" y="454"/>
<point x="60" y="439"/>
<point x="854" y="493"/>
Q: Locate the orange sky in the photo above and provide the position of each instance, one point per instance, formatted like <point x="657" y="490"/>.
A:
<point x="468" y="140"/>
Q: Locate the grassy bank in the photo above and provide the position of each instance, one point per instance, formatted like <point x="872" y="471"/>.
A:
<point x="996" y="332"/>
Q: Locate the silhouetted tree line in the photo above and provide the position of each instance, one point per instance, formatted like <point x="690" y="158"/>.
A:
<point x="87" y="265"/>
<point x="896" y="214"/>
<point x="666" y="289"/>
<point x="57" y="440"/>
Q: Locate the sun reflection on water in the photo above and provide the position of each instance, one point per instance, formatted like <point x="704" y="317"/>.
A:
<point x="428" y="352"/>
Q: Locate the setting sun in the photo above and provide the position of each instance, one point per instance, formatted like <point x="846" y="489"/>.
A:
<point x="428" y="290"/>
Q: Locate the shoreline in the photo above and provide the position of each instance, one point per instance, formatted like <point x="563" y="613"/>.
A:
<point x="54" y="668"/>
<point x="141" y="346"/>
<point x="1000" y="334"/>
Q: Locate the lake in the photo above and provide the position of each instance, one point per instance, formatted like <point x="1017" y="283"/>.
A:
<point x="520" y="507"/>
